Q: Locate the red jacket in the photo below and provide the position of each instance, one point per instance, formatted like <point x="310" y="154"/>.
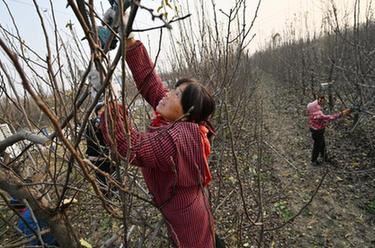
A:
<point x="318" y="120"/>
<point x="171" y="160"/>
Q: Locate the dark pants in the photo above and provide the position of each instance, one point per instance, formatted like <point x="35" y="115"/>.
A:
<point x="219" y="242"/>
<point x="319" y="144"/>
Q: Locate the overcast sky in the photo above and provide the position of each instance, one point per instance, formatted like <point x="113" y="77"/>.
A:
<point x="273" y="16"/>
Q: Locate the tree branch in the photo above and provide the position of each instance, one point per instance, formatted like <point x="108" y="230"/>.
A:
<point x="22" y="135"/>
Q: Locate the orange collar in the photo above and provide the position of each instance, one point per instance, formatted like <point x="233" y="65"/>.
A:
<point x="203" y="131"/>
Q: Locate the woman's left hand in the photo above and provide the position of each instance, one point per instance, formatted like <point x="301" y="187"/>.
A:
<point x="346" y="112"/>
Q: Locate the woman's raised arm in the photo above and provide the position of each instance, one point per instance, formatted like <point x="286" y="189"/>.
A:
<point x="147" y="80"/>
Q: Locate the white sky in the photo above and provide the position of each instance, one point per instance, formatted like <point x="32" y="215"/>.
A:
<point x="273" y="16"/>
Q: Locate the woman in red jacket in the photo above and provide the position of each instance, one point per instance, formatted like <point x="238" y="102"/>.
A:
<point x="173" y="153"/>
<point x="317" y="123"/>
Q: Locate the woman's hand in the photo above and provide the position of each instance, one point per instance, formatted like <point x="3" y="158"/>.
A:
<point x="130" y="42"/>
<point x="346" y="112"/>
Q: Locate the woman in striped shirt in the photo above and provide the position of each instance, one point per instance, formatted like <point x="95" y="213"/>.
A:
<point x="173" y="153"/>
<point x="318" y="122"/>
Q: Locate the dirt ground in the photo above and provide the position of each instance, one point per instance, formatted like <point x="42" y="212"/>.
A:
<point x="339" y="215"/>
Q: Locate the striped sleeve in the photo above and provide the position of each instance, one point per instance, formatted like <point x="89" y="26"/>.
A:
<point x="147" y="80"/>
<point x="327" y="118"/>
<point x="147" y="149"/>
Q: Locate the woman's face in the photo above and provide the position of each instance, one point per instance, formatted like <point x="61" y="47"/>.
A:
<point x="170" y="107"/>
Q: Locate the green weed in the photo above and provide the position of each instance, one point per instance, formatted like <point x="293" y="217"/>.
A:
<point x="282" y="210"/>
<point x="371" y="207"/>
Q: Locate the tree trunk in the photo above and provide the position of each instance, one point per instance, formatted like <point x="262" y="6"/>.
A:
<point x="40" y="206"/>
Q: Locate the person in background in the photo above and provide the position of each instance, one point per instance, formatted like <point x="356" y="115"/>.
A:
<point x="28" y="226"/>
<point x="317" y="123"/>
<point x="97" y="151"/>
<point x="173" y="153"/>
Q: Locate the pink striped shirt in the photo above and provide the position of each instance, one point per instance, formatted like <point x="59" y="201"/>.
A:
<point x="318" y="120"/>
<point x="171" y="160"/>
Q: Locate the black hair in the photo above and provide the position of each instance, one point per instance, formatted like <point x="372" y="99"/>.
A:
<point x="98" y="106"/>
<point x="196" y="102"/>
